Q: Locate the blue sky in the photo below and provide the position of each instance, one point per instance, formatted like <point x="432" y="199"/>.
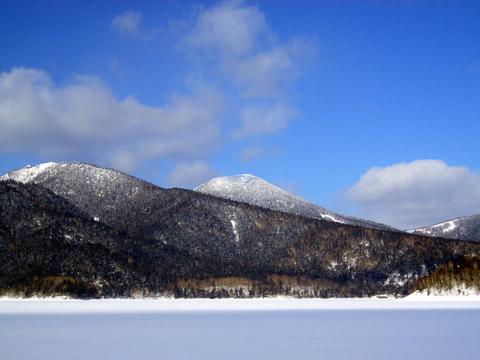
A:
<point x="354" y="105"/>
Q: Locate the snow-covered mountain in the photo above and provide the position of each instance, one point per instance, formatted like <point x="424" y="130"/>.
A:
<point x="101" y="192"/>
<point x="85" y="230"/>
<point x="255" y="191"/>
<point x="463" y="228"/>
<point x="68" y="172"/>
<point x="75" y="180"/>
<point x="28" y="173"/>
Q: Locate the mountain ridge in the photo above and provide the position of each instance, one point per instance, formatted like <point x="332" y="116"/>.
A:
<point x="184" y="243"/>
<point x="256" y="191"/>
<point x="463" y="228"/>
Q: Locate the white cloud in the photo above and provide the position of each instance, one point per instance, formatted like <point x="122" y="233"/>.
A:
<point x="230" y="29"/>
<point x="190" y="174"/>
<point x="267" y="74"/>
<point x="127" y="23"/>
<point x="422" y="192"/>
<point x="236" y="39"/>
<point x="84" y="118"/>
<point x="258" y="120"/>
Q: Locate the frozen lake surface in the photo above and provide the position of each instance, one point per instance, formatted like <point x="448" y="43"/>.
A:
<point x="258" y="329"/>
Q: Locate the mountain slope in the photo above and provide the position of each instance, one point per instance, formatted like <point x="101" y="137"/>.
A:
<point x="463" y="228"/>
<point x="49" y="247"/>
<point x="182" y="242"/>
<point x="253" y="190"/>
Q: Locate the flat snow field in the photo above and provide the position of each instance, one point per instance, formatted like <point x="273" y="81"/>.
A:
<point x="417" y="327"/>
<point x="60" y="305"/>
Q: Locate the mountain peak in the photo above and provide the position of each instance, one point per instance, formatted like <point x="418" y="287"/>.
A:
<point x="246" y="188"/>
<point x="40" y="173"/>
<point x="28" y="173"/>
<point x="253" y="190"/>
<point x="233" y="182"/>
<point x="233" y="178"/>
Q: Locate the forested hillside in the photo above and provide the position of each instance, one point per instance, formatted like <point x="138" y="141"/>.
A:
<point x="178" y="242"/>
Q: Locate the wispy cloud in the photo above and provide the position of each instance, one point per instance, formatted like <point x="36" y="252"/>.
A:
<point x="251" y="153"/>
<point x="259" y="120"/>
<point x="128" y="22"/>
<point x="190" y="174"/>
<point x="475" y="68"/>
<point x="269" y="73"/>
<point x="230" y="28"/>
<point x="422" y="192"/>
<point x="236" y="39"/>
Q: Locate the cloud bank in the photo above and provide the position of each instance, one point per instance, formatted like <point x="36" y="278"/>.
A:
<point x="83" y="118"/>
<point x="418" y="193"/>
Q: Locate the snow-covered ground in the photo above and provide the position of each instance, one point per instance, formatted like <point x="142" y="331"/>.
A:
<point x="59" y="305"/>
<point x="334" y="329"/>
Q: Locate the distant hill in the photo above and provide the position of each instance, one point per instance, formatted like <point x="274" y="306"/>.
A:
<point x="464" y="228"/>
<point x="253" y="190"/>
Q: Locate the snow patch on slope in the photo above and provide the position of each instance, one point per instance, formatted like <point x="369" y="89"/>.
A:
<point x="331" y="218"/>
<point x="437" y="229"/>
<point x="234" y="228"/>
<point x="447" y="226"/>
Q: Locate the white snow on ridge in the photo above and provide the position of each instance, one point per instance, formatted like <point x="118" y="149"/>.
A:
<point x="443" y="227"/>
<point x="256" y="191"/>
<point x="244" y="182"/>
<point x="28" y="173"/>
<point x="446" y="226"/>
